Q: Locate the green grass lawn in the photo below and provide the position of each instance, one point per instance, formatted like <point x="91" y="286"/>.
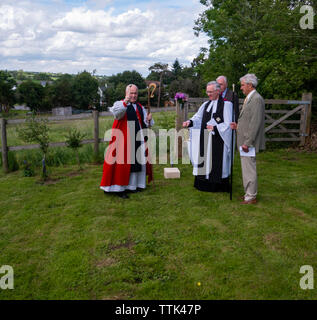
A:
<point x="68" y="240"/>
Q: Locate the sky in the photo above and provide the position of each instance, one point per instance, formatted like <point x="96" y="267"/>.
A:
<point x="109" y="36"/>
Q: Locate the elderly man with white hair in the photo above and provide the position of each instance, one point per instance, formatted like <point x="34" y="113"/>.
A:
<point x="229" y="95"/>
<point x="125" y="167"/>
<point x="250" y="135"/>
<point x="210" y="142"/>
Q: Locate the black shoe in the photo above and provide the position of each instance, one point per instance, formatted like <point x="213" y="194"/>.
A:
<point x="139" y="189"/>
<point x="122" y="195"/>
<point x="131" y="191"/>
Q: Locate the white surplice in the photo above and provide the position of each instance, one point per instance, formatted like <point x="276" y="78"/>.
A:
<point x="225" y="133"/>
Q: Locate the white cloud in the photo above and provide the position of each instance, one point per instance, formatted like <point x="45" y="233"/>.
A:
<point x="78" y="38"/>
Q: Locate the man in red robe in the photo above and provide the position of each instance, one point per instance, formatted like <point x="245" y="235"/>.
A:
<point x="126" y="165"/>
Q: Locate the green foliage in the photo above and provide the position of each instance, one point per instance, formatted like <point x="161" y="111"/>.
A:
<point x="61" y="91"/>
<point x="28" y="171"/>
<point x="73" y="141"/>
<point x="32" y="94"/>
<point x="116" y="85"/>
<point x="261" y="37"/>
<point x="85" y="88"/>
<point x="36" y="130"/>
<point x="7" y="94"/>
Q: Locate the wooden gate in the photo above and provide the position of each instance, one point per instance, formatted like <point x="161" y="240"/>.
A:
<point x="282" y="123"/>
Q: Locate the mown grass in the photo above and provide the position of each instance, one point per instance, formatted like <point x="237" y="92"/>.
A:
<point x="66" y="239"/>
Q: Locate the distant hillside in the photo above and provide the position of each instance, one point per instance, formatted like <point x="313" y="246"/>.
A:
<point x="40" y="76"/>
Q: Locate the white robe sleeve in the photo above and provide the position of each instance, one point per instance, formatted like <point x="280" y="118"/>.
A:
<point x="118" y="110"/>
<point x="198" y="116"/>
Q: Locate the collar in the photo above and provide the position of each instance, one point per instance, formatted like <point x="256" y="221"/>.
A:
<point x="250" y="94"/>
<point x="224" y="93"/>
<point x="213" y="102"/>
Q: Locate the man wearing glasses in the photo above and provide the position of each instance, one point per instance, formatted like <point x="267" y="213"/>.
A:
<point x="210" y="142"/>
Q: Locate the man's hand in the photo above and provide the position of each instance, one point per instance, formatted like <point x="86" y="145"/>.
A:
<point x="245" y="148"/>
<point x="149" y="117"/>
<point x="186" y="124"/>
<point x="210" y="128"/>
<point x="233" y="125"/>
<point x="126" y="99"/>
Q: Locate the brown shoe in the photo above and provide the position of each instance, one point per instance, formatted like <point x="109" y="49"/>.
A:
<point x="253" y="201"/>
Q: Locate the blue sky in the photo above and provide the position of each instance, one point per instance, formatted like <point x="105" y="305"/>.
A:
<point x="107" y="35"/>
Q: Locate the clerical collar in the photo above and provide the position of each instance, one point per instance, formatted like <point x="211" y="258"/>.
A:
<point x="213" y="102"/>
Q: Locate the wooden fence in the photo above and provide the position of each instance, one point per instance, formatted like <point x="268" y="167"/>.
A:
<point x="303" y="110"/>
<point x="292" y="124"/>
<point x="96" y="140"/>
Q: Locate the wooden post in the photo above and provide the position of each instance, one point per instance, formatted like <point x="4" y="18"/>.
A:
<point x="305" y="118"/>
<point x="4" y="146"/>
<point x="96" y="133"/>
<point x="308" y="97"/>
<point x="180" y="118"/>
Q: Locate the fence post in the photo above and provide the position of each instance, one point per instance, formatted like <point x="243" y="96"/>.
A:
<point x="96" y="133"/>
<point x="305" y="118"/>
<point x="180" y="118"/>
<point x="308" y="97"/>
<point x="4" y="145"/>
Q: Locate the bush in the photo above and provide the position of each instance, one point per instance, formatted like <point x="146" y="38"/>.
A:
<point x="28" y="171"/>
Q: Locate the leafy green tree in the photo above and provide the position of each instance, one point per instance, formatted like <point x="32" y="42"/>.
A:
<point x="85" y="90"/>
<point x="73" y="141"/>
<point x="32" y="94"/>
<point x="42" y="76"/>
<point x="263" y="37"/>
<point x="37" y="131"/>
<point x="116" y="85"/>
<point x="127" y="77"/>
<point x="7" y="93"/>
<point x="61" y="91"/>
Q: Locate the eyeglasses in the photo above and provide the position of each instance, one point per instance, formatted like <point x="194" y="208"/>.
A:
<point x="211" y="92"/>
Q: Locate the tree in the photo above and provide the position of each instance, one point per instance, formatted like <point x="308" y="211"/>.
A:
<point x="176" y="69"/>
<point x="42" y="76"/>
<point x="85" y="90"/>
<point x="73" y="141"/>
<point x="262" y="37"/>
<point x="128" y="77"/>
<point x="61" y="91"/>
<point x="116" y="85"/>
<point x="160" y="68"/>
<point x="32" y="94"/>
<point x="36" y="130"/>
<point x="7" y="94"/>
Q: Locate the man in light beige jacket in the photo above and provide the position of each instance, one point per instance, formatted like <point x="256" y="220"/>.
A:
<point x="250" y="134"/>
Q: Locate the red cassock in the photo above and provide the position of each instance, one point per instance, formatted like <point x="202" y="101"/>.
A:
<point x="116" y="167"/>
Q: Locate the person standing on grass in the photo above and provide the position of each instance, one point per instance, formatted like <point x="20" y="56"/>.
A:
<point x="250" y="135"/>
<point x="210" y="142"/>
<point x="229" y="95"/>
<point x="126" y="166"/>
